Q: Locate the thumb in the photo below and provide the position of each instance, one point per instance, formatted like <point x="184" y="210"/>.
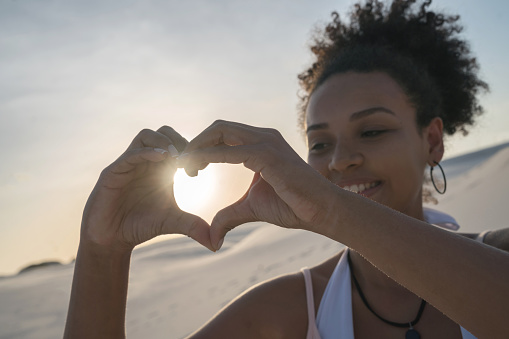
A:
<point x="191" y="225"/>
<point x="227" y="219"/>
<point x="232" y="216"/>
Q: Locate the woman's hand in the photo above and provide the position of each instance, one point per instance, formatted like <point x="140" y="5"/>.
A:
<point x="285" y="190"/>
<point x="133" y="200"/>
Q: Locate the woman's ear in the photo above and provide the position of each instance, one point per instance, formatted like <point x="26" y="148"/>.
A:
<point x="434" y="136"/>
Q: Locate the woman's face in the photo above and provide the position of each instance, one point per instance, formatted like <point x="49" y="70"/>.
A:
<point x="362" y="135"/>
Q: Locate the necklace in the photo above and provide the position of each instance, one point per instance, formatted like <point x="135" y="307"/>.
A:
<point x="411" y="333"/>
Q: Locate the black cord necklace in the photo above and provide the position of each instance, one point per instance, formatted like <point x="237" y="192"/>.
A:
<point x="411" y="333"/>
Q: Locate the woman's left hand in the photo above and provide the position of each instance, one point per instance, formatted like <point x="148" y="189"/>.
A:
<point x="285" y="190"/>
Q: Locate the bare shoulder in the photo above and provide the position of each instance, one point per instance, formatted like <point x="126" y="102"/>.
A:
<point x="276" y="308"/>
<point x="498" y="238"/>
<point x="272" y="309"/>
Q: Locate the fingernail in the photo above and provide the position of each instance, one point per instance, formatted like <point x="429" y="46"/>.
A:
<point x="160" y="150"/>
<point x="219" y="244"/>
<point x="173" y="151"/>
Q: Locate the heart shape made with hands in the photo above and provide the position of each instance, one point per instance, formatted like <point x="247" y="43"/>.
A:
<point x="214" y="188"/>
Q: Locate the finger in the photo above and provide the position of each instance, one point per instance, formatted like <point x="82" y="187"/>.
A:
<point x="149" y="138"/>
<point x="122" y="170"/>
<point x="130" y="159"/>
<point x="247" y="155"/>
<point x="177" y="140"/>
<point x="228" y="133"/>
<point x="192" y="226"/>
<point x="194" y="171"/>
<point x="232" y="216"/>
<point x="227" y="219"/>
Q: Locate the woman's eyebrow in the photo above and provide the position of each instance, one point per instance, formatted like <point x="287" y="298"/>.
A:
<point x="353" y="117"/>
<point x="369" y="111"/>
<point x="315" y="127"/>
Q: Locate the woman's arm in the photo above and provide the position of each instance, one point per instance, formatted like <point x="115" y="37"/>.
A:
<point x="99" y="293"/>
<point x="466" y="280"/>
<point x="131" y="203"/>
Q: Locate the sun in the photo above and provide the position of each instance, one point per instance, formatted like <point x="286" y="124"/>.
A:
<point x="194" y="193"/>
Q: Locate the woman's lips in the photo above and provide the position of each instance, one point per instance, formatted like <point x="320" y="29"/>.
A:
<point x="366" y="189"/>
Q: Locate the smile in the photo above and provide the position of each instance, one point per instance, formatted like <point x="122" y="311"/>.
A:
<point x="361" y="187"/>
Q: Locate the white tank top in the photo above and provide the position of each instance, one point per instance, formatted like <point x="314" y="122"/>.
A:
<point x="335" y="319"/>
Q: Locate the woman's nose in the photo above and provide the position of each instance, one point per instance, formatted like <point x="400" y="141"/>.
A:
<point x="345" y="158"/>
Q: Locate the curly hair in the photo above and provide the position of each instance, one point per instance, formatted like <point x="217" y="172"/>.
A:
<point x="420" y="49"/>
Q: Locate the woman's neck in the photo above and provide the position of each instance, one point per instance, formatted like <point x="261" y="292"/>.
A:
<point x="386" y="297"/>
<point x="379" y="289"/>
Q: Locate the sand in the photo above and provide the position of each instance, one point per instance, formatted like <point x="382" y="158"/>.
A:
<point x="176" y="285"/>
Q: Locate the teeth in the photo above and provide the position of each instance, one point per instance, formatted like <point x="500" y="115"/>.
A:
<point x="360" y="188"/>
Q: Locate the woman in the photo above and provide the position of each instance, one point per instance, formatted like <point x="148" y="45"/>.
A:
<point x="379" y="97"/>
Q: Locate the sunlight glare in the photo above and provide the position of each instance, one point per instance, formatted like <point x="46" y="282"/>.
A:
<point x="193" y="194"/>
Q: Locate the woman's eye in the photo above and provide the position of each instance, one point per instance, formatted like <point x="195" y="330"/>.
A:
<point x="318" y="146"/>
<point x="373" y="133"/>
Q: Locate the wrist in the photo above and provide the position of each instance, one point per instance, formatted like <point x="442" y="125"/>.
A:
<point x="104" y="256"/>
<point x="99" y="292"/>
<point x="328" y="204"/>
<point x="95" y="239"/>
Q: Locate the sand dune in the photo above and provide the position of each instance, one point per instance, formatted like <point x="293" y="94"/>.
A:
<point x="478" y="198"/>
<point x="176" y="285"/>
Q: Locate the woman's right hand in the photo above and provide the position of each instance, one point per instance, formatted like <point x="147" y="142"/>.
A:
<point x="133" y="199"/>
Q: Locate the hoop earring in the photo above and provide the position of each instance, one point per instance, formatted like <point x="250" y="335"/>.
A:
<point x="433" y="180"/>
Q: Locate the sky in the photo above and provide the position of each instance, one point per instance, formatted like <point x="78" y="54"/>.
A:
<point x="79" y="80"/>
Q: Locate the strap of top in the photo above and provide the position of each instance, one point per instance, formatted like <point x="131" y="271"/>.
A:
<point x="312" y="328"/>
<point x="480" y="237"/>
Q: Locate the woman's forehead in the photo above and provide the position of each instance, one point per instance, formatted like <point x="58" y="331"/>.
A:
<point x="343" y="95"/>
